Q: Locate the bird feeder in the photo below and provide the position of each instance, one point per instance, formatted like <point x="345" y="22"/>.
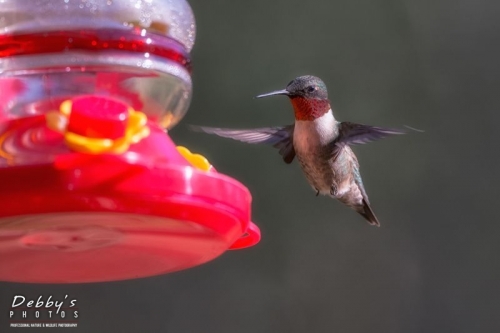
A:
<point x="91" y="186"/>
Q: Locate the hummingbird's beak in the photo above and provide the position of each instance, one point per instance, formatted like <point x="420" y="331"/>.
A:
<point x="277" y="92"/>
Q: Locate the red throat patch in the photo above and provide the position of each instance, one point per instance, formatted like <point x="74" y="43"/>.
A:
<point x="309" y="109"/>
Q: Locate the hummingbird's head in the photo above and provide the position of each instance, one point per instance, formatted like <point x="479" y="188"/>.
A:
<point x="308" y="95"/>
<point x="307" y="86"/>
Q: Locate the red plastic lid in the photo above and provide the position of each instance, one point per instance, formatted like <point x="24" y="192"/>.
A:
<point x="68" y="217"/>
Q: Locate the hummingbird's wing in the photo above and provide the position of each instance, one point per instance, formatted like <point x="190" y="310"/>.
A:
<point x="352" y="133"/>
<point x="278" y="137"/>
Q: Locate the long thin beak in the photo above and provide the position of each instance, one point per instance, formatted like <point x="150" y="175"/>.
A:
<point x="277" y="92"/>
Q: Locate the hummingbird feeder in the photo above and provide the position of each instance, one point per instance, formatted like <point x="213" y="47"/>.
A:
<point x="91" y="186"/>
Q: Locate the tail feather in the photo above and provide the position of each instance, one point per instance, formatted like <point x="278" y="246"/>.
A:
<point x="368" y="214"/>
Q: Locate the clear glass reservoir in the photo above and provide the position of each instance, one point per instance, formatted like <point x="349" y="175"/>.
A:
<point x="133" y="50"/>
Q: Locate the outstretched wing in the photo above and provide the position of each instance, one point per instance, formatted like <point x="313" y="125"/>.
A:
<point x="352" y="133"/>
<point x="278" y="137"/>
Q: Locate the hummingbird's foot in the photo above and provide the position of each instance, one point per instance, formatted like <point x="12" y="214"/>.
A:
<point x="333" y="191"/>
<point x="317" y="191"/>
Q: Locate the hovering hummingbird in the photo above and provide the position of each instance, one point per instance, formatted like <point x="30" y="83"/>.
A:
<point x="320" y="142"/>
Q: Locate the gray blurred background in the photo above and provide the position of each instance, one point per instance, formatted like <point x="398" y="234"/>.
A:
<point x="433" y="266"/>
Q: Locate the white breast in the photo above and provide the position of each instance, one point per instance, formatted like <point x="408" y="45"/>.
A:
<point x="314" y="133"/>
<point x="310" y="140"/>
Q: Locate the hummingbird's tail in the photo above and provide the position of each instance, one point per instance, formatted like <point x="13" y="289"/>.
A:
<point x="368" y="214"/>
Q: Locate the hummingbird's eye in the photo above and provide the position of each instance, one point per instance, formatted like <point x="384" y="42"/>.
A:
<point x="310" y="89"/>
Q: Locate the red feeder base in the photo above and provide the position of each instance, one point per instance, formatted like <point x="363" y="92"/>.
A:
<point x="68" y="248"/>
<point x="68" y="217"/>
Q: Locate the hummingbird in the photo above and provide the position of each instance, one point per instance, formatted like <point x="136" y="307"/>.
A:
<point x="320" y="143"/>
